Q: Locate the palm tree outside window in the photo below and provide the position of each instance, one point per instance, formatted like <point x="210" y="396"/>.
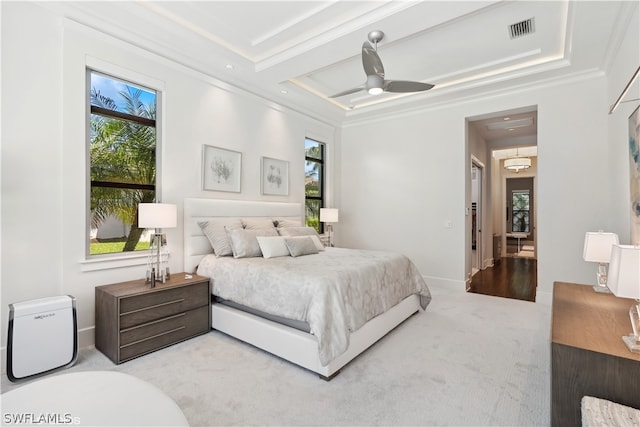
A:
<point x="314" y="183"/>
<point x="122" y="161"/>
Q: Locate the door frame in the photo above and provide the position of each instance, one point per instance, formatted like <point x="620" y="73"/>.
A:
<point x="480" y="205"/>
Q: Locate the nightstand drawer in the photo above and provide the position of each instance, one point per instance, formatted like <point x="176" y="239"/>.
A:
<point x="152" y="336"/>
<point x="149" y="307"/>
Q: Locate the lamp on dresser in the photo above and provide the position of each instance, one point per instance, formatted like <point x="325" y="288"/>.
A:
<point x="597" y="248"/>
<point x="157" y="216"/>
<point x="624" y="282"/>
<point x="329" y="216"/>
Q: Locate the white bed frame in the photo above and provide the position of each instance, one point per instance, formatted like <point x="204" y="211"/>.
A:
<point x="291" y="344"/>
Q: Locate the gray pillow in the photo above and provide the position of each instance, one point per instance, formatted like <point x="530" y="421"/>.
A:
<point x="244" y="243"/>
<point x="300" y="245"/>
<point x="283" y="222"/>
<point x="215" y="231"/>
<point x="297" y="231"/>
<point x="256" y="224"/>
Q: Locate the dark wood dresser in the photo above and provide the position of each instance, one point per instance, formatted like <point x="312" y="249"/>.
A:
<point x="588" y="356"/>
<point x="133" y="319"/>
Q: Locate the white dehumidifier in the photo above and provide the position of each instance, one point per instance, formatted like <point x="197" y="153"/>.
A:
<point x="43" y="336"/>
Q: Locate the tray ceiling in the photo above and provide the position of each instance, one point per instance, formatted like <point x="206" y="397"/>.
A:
<point x="298" y="53"/>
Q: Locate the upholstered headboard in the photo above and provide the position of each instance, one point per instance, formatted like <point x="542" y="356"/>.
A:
<point x="196" y="244"/>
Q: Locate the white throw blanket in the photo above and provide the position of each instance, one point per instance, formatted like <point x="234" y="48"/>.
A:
<point x="335" y="291"/>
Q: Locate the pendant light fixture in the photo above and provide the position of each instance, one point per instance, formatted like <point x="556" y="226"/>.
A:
<point x="517" y="163"/>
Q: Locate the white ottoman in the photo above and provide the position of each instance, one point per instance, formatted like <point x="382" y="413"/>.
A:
<point x="95" y="398"/>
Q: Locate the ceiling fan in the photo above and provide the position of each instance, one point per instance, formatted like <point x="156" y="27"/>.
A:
<point x="376" y="84"/>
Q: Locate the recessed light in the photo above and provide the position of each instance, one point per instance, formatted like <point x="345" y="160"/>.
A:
<point x="229" y="67"/>
<point x="284" y="91"/>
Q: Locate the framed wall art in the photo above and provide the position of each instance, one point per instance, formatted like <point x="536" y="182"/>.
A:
<point x="221" y="169"/>
<point x="634" y="176"/>
<point x="275" y="177"/>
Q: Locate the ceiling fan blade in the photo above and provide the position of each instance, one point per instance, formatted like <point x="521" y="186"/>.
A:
<point x="371" y="61"/>
<point x="348" y="92"/>
<point x="401" y="86"/>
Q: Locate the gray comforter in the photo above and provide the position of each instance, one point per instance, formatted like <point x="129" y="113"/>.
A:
<point x="335" y="291"/>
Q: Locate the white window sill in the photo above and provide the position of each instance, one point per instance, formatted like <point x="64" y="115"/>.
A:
<point x="107" y="262"/>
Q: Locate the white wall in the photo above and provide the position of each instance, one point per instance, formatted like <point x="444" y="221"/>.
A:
<point x="44" y="156"/>
<point x="418" y="182"/>
<point x="414" y="169"/>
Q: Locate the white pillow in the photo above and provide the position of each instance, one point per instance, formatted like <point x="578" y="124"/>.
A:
<point x="272" y="247"/>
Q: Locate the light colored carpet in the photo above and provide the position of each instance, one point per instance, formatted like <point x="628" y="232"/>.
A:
<point x="468" y="360"/>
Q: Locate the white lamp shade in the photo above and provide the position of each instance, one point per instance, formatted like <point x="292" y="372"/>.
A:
<point x="157" y="215"/>
<point x="329" y="215"/>
<point x="597" y="246"/>
<point x="624" y="271"/>
<point x="517" y="163"/>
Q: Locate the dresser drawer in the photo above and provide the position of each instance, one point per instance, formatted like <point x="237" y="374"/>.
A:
<point x="152" y="336"/>
<point x="140" y="309"/>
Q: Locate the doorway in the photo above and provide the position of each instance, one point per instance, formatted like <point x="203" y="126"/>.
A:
<point x="520" y="217"/>
<point x="505" y="142"/>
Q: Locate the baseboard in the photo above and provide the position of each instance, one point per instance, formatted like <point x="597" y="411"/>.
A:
<point x="439" y="281"/>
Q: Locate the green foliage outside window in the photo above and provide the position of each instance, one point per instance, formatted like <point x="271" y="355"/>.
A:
<point x="122" y="151"/>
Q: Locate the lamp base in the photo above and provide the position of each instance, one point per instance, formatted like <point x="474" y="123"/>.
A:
<point x="632" y="342"/>
<point x="602" y="289"/>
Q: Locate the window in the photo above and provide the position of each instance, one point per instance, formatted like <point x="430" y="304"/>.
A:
<point x="520" y="203"/>
<point x="314" y="182"/>
<point x="122" y="162"/>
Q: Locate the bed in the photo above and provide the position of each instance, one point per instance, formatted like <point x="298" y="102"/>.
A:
<point x="385" y="289"/>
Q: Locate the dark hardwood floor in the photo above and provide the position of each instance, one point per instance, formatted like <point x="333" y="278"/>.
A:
<point x="512" y="277"/>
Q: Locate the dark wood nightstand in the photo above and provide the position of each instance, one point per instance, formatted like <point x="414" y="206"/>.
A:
<point x="588" y="356"/>
<point x="133" y="319"/>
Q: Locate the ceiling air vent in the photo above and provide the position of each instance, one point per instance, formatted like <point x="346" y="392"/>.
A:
<point x="522" y="28"/>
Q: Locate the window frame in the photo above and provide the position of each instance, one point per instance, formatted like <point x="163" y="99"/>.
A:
<point x="136" y="257"/>
<point x="322" y="164"/>
<point x="526" y="211"/>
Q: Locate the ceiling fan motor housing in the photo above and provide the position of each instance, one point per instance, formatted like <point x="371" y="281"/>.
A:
<point x="374" y="82"/>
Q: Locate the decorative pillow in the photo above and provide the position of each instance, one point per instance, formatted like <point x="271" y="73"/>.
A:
<point x="257" y="224"/>
<point x="317" y="242"/>
<point x="300" y="245"/>
<point x="215" y="232"/>
<point x="303" y="231"/>
<point x="283" y="223"/>
<point x="272" y="247"/>
<point x="297" y="231"/>
<point x="244" y="243"/>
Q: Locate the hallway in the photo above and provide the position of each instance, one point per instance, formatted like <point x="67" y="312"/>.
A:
<point x="512" y="277"/>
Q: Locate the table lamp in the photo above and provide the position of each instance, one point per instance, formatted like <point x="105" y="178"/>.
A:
<point x="597" y="248"/>
<point x="157" y="216"/>
<point x="329" y="216"/>
<point x="624" y="282"/>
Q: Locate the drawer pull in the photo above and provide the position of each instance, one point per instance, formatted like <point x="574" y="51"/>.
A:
<point x="176" y="301"/>
<point x="164" y="319"/>
<point x="153" y="337"/>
